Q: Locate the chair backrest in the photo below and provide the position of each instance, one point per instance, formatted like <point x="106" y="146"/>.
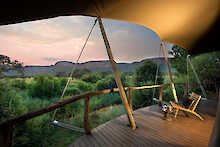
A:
<point x="195" y="100"/>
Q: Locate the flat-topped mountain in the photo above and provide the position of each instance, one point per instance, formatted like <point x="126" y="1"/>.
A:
<point x="65" y="67"/>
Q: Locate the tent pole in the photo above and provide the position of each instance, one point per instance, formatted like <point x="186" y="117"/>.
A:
<point x="117" y="77"/>
<point x="169" y="71"/>
<point x="214" y="140"/>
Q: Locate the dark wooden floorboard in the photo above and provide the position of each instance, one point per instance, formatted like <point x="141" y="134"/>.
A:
<point x="152" y="131"/>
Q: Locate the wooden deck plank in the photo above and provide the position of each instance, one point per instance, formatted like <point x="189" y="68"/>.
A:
<point x="183" y="132"/>
<point x="152" y="130"/>
<point x="192" y="124"/>
<point x="155" y="131"/>
<point x="135" y="135"/>
<point x="126" y="137"/>
<point x="160" y="134"/>
<point x="112" y="136"/>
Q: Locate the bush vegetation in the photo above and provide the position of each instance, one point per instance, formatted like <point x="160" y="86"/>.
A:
<point x="22" y="95"/>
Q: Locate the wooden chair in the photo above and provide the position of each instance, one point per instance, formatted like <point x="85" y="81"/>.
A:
<point x="191" y="109"/>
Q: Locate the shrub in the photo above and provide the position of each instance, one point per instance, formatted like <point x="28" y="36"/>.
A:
<point x="33" y="132"/>
<point x="19" y="83"/>
<point x="70" y="110"/>
<point x="109" y="82"/>
<point x="105" y="100"/>
<point x="71" y="91"/>
<point x="78" y="73"/>
<point x="45" y="86"/>
<point x="142" y="98"/>
<point x="12" y="105"/>
<point x="147" y="73"/>
<point x="91" y="78"/>
<point x="82" y="86"/>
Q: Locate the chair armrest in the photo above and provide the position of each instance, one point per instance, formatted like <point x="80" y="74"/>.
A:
<point x="175" y="105"/>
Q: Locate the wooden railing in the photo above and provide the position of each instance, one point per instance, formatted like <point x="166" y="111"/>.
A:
<point x="6" y="128"/>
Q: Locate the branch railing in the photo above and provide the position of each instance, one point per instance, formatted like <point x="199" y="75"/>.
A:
<point x="6" y="128"/>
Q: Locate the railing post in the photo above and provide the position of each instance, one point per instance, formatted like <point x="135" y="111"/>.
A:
<point x="161" y="95"/>
<point x="6" y="134"/>
<point x="86" y="116"/>
<point x="185" y="90"/>
<point x="130" y="98"/>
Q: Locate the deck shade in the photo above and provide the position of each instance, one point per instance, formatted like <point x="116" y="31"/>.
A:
<point x="191" y="24"/>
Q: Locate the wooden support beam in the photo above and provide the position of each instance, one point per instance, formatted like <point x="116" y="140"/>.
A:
<point x="117" y="77"/>
<point x="215" y="137"/>
<point x="6" y="134"/>
<point x="169" y="72"/>
<point x="86" y="117"/>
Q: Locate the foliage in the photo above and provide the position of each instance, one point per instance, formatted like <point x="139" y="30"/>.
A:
<point x="4" y="88"/>
<point x="109" y="82"/>
<point x="207" y="67"/>
<point x="82" y="86"/>
<point x="61" y="74"/>
<point x="179" y="60"/>
<point x="70" y="110"/>
<point x="105" y="73"/>
<point x="144" y="97"/>
<point x="34" y="132"/>
<point x="101" y="101"/>
<point x="78" y="73"/>
<point x="147" y="73"/>
<point x="106" y="114"/>
<point x="71" y="91"/>
<point x="63" y="137"/>
<point x="22" y="95"/>
<point x="91" y="78"/>
<point x="7" y="64"/>
<point x="19" y="83"/>
<point x="45" y="86"/>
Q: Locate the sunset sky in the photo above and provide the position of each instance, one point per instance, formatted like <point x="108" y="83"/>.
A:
<point x="45" y="42"/>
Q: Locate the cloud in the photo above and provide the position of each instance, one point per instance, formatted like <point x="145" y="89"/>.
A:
<point x="48" y="30"/>
<point x="48" y="41"/>
<point x="52" y="59"/>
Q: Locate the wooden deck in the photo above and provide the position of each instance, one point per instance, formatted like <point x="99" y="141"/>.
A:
<point x="152" y="130"/>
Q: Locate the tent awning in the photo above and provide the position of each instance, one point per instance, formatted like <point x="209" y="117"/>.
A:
<point x="191" y="24"/>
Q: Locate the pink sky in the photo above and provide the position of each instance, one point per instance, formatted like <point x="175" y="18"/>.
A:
<point x="45" y="42"/>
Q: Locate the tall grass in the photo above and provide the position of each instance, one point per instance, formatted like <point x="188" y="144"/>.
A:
<point x="19" y="96"/>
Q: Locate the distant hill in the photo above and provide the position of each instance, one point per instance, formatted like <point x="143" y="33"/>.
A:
<point x="65" y="67"/>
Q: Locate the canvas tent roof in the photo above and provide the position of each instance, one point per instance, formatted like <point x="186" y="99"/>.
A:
<point x="191" y="24"/>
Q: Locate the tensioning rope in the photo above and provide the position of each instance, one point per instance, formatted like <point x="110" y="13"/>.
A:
<point x="197" y="77"/>
<point x="77" y="61"/>
<point x="156" y="77"/>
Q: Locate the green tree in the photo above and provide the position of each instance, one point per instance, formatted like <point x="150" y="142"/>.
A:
<point x="6" y="64"/>
<point x="146" y="73"/>
<point x="91" y="78"/>
<point x="109" y="82"/>
<point x="78" y="73"/>
<point x="45" y="86"/>
<point x="207" y="67"/>
<point x="179" y="60"/>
